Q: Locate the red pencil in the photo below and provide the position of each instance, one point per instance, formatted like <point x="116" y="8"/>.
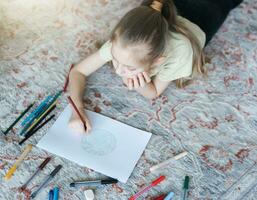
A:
<point x="77" y="111"/>
<point x="67" y="79"/>
<point x="142" y="191"/>
<point x="162" y="197"/>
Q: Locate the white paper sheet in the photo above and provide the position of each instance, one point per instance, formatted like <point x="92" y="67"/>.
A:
<point x="112" y="148"/>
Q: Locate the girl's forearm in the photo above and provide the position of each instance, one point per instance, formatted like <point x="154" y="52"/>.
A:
<point x="77" y="87"/>
<point x="149" y="91"/>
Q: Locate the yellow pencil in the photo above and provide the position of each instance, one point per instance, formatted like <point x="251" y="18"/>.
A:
<point x="35" y="122"/>
<point x="18" y="162"/>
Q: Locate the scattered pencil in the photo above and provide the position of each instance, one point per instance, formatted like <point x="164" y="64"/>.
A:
<point x="185" y="187"/>
<point x="142" y="191"/>
<point x="163" y="164"/>
<point x="40" y="118"/>
<point x="40" y="168"/>
<point x="18" y="119"/>
<point x="18" y="162"/>
<point x="29" y="134"/>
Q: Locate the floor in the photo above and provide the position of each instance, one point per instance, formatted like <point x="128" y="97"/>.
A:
<point x="214" y="119"/>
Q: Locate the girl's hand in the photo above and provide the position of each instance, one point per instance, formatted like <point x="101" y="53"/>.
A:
<point x="140" y="80"/>
<point x="76" y="124"/>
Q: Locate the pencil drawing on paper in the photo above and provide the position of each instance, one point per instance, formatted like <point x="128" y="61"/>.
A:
<point x="99" y="142"/>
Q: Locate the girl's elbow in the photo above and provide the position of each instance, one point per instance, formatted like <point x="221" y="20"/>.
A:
<point x="153" y="96"/>
<point x="156" y="95"/>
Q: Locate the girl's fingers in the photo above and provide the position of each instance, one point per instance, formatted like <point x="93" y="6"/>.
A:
<point x="141" y="80"/>
<point x="136" y="83"/>
<point x="130" y="84"/>
<point x="77" y="126"/>
<point x="146" y="76"/>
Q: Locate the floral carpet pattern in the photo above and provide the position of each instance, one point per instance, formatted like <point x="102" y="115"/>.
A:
<point x="214" y="119"/>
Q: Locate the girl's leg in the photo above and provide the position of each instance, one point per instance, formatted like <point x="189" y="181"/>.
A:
<point x="209" y="15"/>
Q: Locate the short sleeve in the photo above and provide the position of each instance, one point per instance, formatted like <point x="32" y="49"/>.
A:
<point x="105" y="51"/>
<point x="178" y="65"/>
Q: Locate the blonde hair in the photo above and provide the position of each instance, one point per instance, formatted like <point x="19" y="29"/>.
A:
<point x="151" y="24"/>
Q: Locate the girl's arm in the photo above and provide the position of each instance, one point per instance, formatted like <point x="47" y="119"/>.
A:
<point x="78" y="76"/>
<point x="145" y="86"/>
<point x="77" y="85"/>
<point x="153" y="89"/>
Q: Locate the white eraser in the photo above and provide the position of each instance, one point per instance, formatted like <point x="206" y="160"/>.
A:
<point x="89" y="194"/>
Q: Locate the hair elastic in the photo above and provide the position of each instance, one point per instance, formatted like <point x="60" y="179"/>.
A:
<point x="157" y="5"/>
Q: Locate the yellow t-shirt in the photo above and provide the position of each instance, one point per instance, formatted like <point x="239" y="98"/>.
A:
<point x="179" y="54"/>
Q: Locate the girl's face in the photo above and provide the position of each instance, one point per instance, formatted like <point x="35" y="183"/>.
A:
<point x="126" y="60"/>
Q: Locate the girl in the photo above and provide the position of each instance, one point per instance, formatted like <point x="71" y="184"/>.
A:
<point x="152" y="45"/>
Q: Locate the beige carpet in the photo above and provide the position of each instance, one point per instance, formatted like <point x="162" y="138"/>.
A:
<point x="213" y="119"/>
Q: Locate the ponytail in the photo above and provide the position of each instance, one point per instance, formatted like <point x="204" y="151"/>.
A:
<point x="169" y="12"/>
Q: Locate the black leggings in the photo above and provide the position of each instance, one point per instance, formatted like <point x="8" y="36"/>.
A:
<point x="207" y="14"/>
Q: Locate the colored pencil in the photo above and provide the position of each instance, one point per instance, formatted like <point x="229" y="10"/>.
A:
<point x="36" y="111"/>
<point x="169" y="196"/>
<point x="42" y="118"/>
<point x="18" y="119"/>
<point x="49" y="103"/>
<point x="185" y="187"/>
<point x="46" y="180"/>
<point x="56" y="193"/>
<point x="142" y="191"/>
<point x="32" y="132"/>
<point x="39" y="168"/>
<point x="160" y="197"/>
<point x="67" y="79"/>
<point x="77" y="111"/>
<point x="46" y="104"/>
<point x="38" y="119"/>
<point x="18" y="162"/>
<point x="165" y="163"/>
<point x="28" y="122"/>
<point x="51" y="195"/>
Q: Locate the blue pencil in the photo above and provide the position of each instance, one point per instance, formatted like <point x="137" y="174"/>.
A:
<point x="46" y="105"/>
<point x="34" y="112"/>
<point x="56" y="193"/>
<point x="51" y="195"/>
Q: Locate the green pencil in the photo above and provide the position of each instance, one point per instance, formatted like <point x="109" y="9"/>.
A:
<point x="185" y="187"/>
<point x="21" y="115"/>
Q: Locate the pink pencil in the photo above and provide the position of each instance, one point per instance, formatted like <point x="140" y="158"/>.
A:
<point x="154" y="183"/>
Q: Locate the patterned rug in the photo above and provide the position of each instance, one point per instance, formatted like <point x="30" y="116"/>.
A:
<point x="214" y="119"/>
